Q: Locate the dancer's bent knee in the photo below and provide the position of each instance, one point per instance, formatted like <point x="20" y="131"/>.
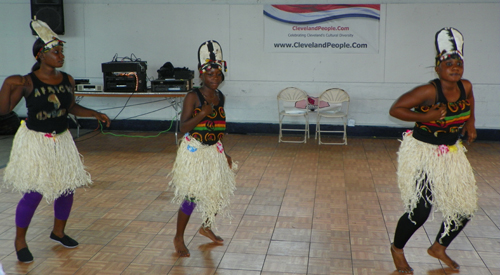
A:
<point x="62" y="206"/>
<point x="26" y="208"/>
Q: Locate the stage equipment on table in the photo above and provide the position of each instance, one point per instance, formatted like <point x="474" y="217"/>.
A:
<point x="125" y="76"/>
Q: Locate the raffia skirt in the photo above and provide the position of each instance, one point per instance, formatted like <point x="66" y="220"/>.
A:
<point x="49" y="164"/>
<point x="201" y="173"/>
<point x="448" y="173"/>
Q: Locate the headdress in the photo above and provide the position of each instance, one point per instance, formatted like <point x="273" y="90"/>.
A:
<point x="45" y="33"/>
<point x="210" y="56"/>
<point x="449" y="41"/>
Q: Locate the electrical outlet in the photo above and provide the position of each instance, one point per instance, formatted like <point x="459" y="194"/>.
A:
<point x="351" y="122"/>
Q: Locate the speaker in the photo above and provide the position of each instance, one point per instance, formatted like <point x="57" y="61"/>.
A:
<point x="50" y="12"/>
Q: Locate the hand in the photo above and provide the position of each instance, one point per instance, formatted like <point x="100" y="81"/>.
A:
<point x="102" y="118"/>
<point x="471" y="131"/>
<point x="206" y="109"/>
<point x="437" y="112"/>
<point x="229" y="161"/>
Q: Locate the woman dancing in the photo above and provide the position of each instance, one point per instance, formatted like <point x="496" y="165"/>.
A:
<point x="433" y="170"/>
<point x="44" y="161"/>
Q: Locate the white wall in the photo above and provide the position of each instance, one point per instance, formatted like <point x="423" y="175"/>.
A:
<point x="160" y="31"/>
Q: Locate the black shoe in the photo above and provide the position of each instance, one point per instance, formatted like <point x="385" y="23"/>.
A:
<point x="66" y="241"/>
<point x="24" y="255"/>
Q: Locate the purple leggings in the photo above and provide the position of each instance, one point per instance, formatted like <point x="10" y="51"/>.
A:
<point x="28" y="204"/>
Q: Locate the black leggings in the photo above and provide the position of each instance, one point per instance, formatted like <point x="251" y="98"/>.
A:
<point x="406" y="227"/>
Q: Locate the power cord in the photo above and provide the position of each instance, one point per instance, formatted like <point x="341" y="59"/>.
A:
<point x="128" y="99"/>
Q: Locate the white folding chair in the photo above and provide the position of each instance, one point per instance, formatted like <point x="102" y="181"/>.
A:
<point x="338" y="108"/>
<point x="287" y="99"/>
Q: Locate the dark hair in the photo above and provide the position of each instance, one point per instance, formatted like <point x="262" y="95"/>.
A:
<point x="37" y="47"/>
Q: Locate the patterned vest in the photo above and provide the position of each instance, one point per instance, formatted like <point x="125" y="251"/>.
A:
<point x="212" y="127"/>
<point x="444" y="131"/>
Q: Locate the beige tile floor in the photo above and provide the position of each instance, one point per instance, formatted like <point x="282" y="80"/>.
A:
<point x="298" y="209"/>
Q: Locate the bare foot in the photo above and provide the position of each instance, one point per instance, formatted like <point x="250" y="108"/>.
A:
<point x="180" y="247"/>
<point x="207" y="232"/>
<point x="438" y="251"/>
<point x="398" y="256"/>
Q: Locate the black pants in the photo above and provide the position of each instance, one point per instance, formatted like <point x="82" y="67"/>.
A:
<point x="421" y="212"/>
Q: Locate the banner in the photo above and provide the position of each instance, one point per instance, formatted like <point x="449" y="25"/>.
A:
<point x="321" y="28"/>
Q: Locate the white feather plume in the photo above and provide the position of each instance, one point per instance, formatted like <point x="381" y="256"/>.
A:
<point x="43" y="30"/>
<point x="459" y="40"/>
<point x="449" y="41"/>
<point x="204" y="52"/>
<point x="210" y="52"/>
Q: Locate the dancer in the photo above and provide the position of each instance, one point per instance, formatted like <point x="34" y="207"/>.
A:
<point x="433" y="170"/>
<point x="44" y="161"/>
<point x="203" y="173"/>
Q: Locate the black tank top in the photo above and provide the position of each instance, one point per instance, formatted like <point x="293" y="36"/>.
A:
<point x="48" y="105"/>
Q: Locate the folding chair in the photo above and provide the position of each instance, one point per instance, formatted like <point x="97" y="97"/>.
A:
<point x="287" y="99"/>
<point x="338" y="101"/>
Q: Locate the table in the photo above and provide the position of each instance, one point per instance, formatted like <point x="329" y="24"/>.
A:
<point x="176" y="102"/>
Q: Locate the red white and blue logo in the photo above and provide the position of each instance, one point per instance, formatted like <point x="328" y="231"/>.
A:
<point x="313" y="14"/>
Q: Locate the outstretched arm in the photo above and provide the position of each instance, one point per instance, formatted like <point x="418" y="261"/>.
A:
<point x="78" y="110"/>
<point x="81" y="111"/>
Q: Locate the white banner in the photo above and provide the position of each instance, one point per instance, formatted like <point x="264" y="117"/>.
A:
<point x="321" y="28"/>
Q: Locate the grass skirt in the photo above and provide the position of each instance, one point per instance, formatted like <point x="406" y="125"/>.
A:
<point x="449" y="174"/>
<point x="202" y="172"/>
<point x="45" y="163"/>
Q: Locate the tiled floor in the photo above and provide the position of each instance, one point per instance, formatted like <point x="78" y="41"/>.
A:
<point x="298" y="209"/>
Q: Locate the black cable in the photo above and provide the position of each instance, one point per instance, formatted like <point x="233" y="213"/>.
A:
<point x="97" y="133"/>
<point x="148" y="112"/>
<point x="123" y="106"/>
<point x="133" y="105"/>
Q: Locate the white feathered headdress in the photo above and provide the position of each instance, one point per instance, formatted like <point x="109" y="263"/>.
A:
<point x="210" y="55"/>
<point x="449" y="41"/>
<point x="45" y="33"/>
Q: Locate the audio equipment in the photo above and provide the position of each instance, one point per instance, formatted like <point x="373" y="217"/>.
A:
<point x="50" y="12"/>
<point x="171" y="85"/>
<point x="124" y="76"/>
<point x="88" y="88"/>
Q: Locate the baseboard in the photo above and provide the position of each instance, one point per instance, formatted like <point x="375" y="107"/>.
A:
<point x="267" y="128"/>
